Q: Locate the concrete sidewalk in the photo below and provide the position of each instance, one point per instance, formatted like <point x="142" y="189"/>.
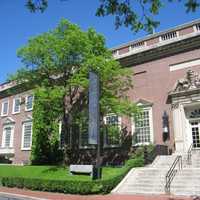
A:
<point x="37" y="195"/>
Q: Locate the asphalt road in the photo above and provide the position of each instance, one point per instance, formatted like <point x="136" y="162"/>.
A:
<point x="2" y="197"/>
<point x="9" y="198"/>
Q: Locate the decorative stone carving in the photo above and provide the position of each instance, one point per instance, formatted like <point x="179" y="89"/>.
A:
<point x="191" y="81"/>
<point x="174" y="106"/>
<point x="8" y="120"/>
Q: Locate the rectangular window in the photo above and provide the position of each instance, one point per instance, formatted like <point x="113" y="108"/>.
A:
<point x="7" y="137"/>
<point x="112" y="130"/>
<point x="27" y="136"/>
<point x="143" y="127"/>
<point x="16" y="105"/>
<point x="4" y="108"/>
<point x="29" y="103"/>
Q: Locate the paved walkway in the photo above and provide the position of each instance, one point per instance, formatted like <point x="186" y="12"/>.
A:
<point x="27" y="194"/>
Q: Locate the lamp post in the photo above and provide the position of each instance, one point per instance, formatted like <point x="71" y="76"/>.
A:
<point x="94" y="120"/>
<point x="165" y="119"/>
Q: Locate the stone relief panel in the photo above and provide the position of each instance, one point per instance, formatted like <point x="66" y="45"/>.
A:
<point x="191" y="81"/>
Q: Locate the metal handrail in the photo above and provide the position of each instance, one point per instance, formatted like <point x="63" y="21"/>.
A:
<point x="189" y="155"/>
<point x="172" y="172"/>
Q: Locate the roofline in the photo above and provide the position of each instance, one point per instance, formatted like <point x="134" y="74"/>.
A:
<point x="187" y="24"/>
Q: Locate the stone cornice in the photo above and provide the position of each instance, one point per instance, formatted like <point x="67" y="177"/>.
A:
<point x="161" y="52"/>
<point x="151" y="36"/>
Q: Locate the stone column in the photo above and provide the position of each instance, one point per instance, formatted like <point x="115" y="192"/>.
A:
<point x="178" y="128"/>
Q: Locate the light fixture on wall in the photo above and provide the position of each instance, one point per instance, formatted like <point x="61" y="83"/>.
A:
<point x="165" y="121"/>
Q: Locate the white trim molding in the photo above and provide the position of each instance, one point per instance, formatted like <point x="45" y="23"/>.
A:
<point x="150" y="111"/>
<point x="183" y="65"/>
<point x="23" y="131"/>
<point x="11" y="126"/>
<point x="2" y="108"/>
<point x="26" y="101"/>
<point x="14" y="104"/>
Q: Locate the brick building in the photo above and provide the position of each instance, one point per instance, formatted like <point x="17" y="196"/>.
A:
<point x="166" y="86"/>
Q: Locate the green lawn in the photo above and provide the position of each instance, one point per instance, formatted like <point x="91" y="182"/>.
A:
<point x="53" y="172"/>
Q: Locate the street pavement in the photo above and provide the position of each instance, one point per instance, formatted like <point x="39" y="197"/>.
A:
<point x="22" y="194"/>
<point x="2" y="197"/>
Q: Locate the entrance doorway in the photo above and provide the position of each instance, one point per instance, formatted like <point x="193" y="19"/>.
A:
<point x="195" y="130"/>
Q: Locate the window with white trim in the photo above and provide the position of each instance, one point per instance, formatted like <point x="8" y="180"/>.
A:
<point x="16" y="105"/>
<point x="29" y="103"/>
<point x="4" y="108"/>
<point x="112" y="130"/>
<point x="7" y="140"/>
<point x="27" y="136"/>
<point x="143" y="130"/>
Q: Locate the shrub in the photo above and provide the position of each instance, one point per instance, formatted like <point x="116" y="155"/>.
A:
<point x="136" y="162"/>
<point x="70" y="186"/>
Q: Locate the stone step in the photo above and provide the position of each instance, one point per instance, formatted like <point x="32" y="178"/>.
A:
<point x="130" y="192"/>
<point x="185" y="192"/>
<point x="151" y="179"/>
<point x="141" y="186"/>
<point x="141" y="190"/>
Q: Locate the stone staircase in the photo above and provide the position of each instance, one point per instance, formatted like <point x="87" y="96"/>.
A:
<point x="151" y="179"/>
<point x="187" y="181"/>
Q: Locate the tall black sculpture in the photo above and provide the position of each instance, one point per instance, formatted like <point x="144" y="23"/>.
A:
<point x="94" y="134"/>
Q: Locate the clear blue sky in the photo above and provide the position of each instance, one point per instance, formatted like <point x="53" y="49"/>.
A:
<point x="17" y="24"/>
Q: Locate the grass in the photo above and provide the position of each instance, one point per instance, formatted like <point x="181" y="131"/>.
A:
<point x="58" y="179"/>
<point x="53" y="172"/>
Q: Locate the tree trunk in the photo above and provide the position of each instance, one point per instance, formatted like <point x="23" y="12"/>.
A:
<point x="67" y="123"/>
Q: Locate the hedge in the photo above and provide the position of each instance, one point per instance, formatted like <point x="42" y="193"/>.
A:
<point x="69" y="186"/>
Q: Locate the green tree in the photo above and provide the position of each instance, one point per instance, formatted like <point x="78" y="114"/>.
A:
<point x="63" y="58"/>
<point x="46" y="116"/>
<point x="137" y="14"/>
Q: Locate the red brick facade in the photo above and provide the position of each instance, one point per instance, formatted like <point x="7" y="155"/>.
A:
<point x="156" y="66"/>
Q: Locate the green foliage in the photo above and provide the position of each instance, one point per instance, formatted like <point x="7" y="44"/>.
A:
<point x="64" y="57"/>
<point x="68" y="187"/>
<point x="77" y="186"/>
<point x="138" y="161"/>
<point x="134" y="14"/>
<point x="34" y="5"/>
<point x="59" y="62"/>
<point x="139" y="151"/>
<point x="53" y="172"/>
<point x="46" y="113"/>
<point x="113" y="132"/>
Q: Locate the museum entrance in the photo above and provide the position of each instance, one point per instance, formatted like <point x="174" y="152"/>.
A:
<point x="185" y="105"/>
<point x="195" y="131"/>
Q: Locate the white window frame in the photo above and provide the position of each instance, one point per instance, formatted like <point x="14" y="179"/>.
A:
<point x="2" y="108"/>
<point x="22" y="141"/>
<point x="120" y="128"/>
<point x="150" y="110"/>
<point x="26" y="101"/>
<point x="14" y="104"/>
<point x="4" y="136"/>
